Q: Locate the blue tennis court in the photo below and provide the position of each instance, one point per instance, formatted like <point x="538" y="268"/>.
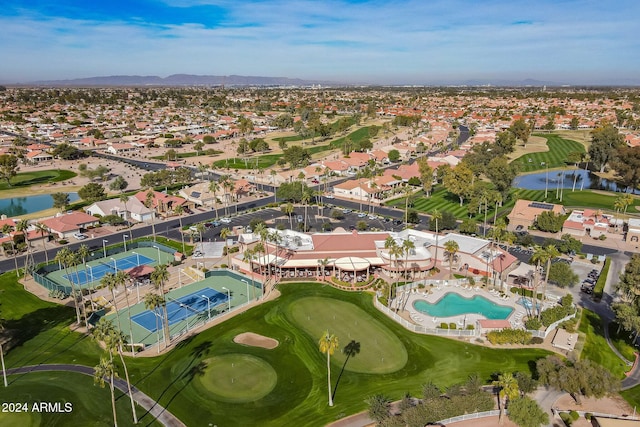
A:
<point x="181" y="308"/>
<point x="97" y="272"/>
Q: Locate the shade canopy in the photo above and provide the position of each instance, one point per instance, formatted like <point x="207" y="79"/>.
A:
<point x="352" y="263"/>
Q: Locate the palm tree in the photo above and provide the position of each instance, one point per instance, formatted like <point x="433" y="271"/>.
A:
<point x="106" y="369"/>
<point x="63" y="257"/>
<point x="159" y="276"/>
<point x="148" y="202"/>
<point x="407" y="247"/>
<point x="214" y="188"/>
<point x="396" y="252"/>
<point x="551" y="252"/>
<point x="151" y="302"/>
<point x="389" y="245"/>
<point x="200" y="228"/>
<point x="122" y="278"/>
<point x="179" y="210"/>
<point x="323" y="265"/>
<point x="224" y="233"/>
<point x="436" y="216"/>
<point x="307" y="196"/>
<point x="451" y="248"/>
<point x="114" y="340"/>
<point x="43" y="229"/>
<point x="328" y="344"/>
<point x="288" y="209"/>
<point x="23" y="226"/>
<point x="109" y="281"/>
<point x="124" y="199"/>
<point x="539" y="257"/>
<point x="4" y="370"/>
<point x="509" y="390"/>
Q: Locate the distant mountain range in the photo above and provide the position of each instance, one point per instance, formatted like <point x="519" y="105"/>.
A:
<point x="183" y="80"/>
<point x="177" y="80"/>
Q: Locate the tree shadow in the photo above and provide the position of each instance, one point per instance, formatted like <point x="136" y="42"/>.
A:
<point x="351" y="350"/>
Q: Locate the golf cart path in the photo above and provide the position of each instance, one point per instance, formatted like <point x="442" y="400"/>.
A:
<point x="165" y="417"/>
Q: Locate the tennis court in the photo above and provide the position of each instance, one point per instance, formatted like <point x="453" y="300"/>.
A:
<point x="194" y="304"/>
<point x="97" y="272"/>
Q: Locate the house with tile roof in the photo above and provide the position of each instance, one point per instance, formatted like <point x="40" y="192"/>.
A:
<point x="66" y="224"/>
<point x="587" y="222"/>
<point x="132" y="210"/>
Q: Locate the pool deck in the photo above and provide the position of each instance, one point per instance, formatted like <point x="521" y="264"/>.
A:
<point x="432" y="294"/>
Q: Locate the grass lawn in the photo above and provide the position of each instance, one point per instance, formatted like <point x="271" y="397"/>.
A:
<point x="26" y="179"/>
<point x="622" y="341"/>
<point x="91" y="404"/>
<point x="191" y="154"/>
<point x="554" y="158"/>
<point x="596" y="348"/>
<point x="193" y="380"/>
<point x="444" y="201"/>
<point x="264" y="161"/>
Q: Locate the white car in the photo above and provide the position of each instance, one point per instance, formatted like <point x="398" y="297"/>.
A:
<point x="329" y="196"/>
<point x="80" y="236"/>
<point x="362" y="215"/>
<point x="225" y="220"/>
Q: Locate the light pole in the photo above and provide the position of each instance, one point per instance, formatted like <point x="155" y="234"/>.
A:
<point x="104" y="247"/>
<point x="137" y="258"/>
<point x="247" y="283"/>
<point x="115" y="265"/>
<point x="124" y="240"/>
<point x="159" y="260"/>
<point x="228" y="296"/>
<point x="208" y="306"/>
<point x="186" y="315"/>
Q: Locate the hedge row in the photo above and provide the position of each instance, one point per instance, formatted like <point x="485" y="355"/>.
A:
<point x="602" y="279"/>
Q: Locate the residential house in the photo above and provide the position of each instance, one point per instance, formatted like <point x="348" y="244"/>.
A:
<point x="65" y="225"/>
<point x="587" y="222"/>
<point x="163" y="204"/>
<point x="133" y="210"/>
<point x="525" y="212"/>
<point x="120" y="148"/>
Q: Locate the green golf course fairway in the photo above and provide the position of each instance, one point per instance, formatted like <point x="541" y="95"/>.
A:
<point x="238" y="377"/>
<point x="91" y="404"/>
<point x="381" y="352"/>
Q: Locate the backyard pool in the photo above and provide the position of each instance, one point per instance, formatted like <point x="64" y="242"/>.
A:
<point x="453" y="304"/>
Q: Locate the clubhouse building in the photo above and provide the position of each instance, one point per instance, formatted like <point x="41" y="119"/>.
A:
<point x="353" y="256"/>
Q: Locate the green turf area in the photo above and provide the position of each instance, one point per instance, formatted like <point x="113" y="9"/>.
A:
<point x="90" y="404"/>
<point x="26" y="179"/>
<point x="623" y="341"/>
<point x="596" y="347"/>
<point x="554" y="158"/>
<point x="190" y="154"/>
<point x="238" y="378"/>
<point x="384" y="352"/>
<point x="267" y="160"/>
<point x="299" y="396"/>
<point x="632" y="396"/>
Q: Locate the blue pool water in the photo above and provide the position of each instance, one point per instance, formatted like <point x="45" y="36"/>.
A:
<point x="453" y="304"/>
<point x="526" y="303"/>
<point x="25" y="205"/>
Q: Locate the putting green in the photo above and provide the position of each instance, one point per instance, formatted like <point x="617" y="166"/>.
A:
<point x="381" y="352"/>
<point x="19" y="419"/>
<point x="238" y="378"/>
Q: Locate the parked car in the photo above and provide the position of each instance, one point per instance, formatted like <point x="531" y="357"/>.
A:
<point x="215" y="223"/>
<point x="362" y="215"/>
<point x="329" y="196"/>
<point x="80" y="236"/>
<point x="225" y="220"/>
<point x="208" y="224"/>
<point x="346" y="211"/>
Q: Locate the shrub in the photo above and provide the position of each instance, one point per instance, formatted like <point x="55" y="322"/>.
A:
<point x="554" y="314"/>
<point x="599" y="288"/>
<point x="452" y="325"/>
<point x="536" y="340"/>
<point x="63" y="241"/>
<point x="533" y="324"/>
<point x="588" y="416"/>
<point x="566" y="418"/>
<point x="470" y="327"/>
<point x="444" y="325"/>
<point x="574" y="415"/>
<point x="509" y="336"/>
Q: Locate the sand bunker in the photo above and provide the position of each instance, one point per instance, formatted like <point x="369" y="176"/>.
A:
<point x="255" y="340"/>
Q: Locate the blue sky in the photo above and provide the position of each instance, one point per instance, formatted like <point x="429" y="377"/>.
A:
<point x="350" y="41"/>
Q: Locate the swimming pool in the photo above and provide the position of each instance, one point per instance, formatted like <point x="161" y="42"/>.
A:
<point x="453" y="304"/>
<point x="526" y="303"/>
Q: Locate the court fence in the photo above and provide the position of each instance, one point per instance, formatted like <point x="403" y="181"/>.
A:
<point x="96" y="252"/>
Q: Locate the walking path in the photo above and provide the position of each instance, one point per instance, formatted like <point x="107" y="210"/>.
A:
<point x="165" y="417"/>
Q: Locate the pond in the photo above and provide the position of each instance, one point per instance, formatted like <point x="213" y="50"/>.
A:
<point x="17" y="206"/>
<point x="584" y="180"/>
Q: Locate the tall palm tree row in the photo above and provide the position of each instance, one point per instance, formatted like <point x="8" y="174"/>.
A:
<point x="114" y="340"/>
<point x="152" y="302"/>
<point x="63" y="258"/>
<point x="106" y="369"/>
<point x="451" y="249"/>
<point x="179" y="210"/>
<point x="148" y="202"/>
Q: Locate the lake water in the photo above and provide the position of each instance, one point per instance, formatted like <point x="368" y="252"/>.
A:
<point x="25" y="205"/>
<point x="584" y="180"/>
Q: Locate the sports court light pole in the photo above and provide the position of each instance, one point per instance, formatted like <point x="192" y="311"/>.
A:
<point x="158" y="248"/>
<point x="115" y="265"/>
<point x="228" y="296"/>
<point x="124" y="240"/>
<point x="247" y="283"/>
<point x="104" y="247"/>
<point x="208" y="305"/>
<point x="137" y="257"/>
<point x="186" y="317"/>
